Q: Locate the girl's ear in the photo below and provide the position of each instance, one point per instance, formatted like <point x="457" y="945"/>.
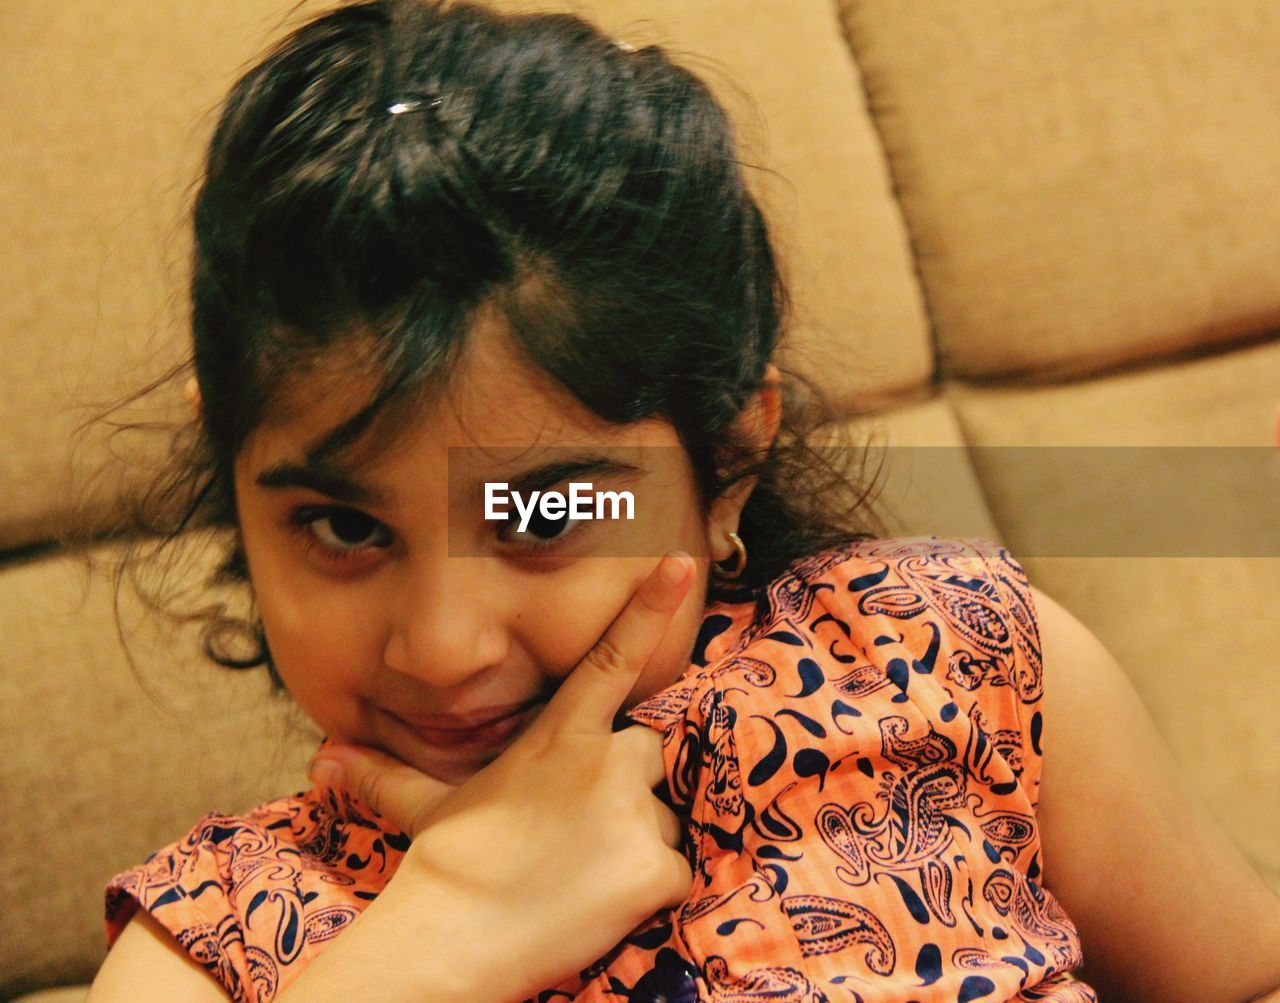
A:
<point x="192" y="392"/>
<point x="761" y="417"/>
<point x="757" y="424"/>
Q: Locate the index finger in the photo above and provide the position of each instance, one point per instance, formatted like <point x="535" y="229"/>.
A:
<point x="591" y="694"/>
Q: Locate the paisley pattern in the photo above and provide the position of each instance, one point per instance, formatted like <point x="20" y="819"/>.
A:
<point x="854" y="751"/>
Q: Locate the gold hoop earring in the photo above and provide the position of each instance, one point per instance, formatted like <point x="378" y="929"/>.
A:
<point x="739" y="559"/>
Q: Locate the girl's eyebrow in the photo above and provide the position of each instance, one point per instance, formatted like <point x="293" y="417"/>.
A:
<point x="327" y="480"/>
<point x="550" y="474"/>
<point x="341" y="486"/>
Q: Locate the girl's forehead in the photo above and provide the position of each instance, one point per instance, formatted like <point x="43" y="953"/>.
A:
<point x="475" y="434"/>
<point x="496" y="392"/>
<point x="494" y="396"/>
<point x="496" y="418"/>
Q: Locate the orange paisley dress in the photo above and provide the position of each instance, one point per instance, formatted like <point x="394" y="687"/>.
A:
<point x="855" y="752"/>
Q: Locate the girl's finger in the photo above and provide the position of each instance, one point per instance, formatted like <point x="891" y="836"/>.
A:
<point x="402" y="795"/>
<point x="591" y="694"/>
<point x="643" y="745"/>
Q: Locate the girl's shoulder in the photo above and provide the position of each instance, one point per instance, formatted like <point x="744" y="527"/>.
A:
<point x="891" y="557"/>
<point x="909" y="556"/>
<point x="954" y="591"/>
<point x="918" y="635"/>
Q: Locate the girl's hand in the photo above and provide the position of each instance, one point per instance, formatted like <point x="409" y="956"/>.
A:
<point x="555" y="851"/>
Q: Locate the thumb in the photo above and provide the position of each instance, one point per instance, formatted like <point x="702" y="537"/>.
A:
<point x="401" y="794"/>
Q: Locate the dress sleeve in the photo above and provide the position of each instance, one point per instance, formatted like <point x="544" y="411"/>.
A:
<point x="184" y="887"/>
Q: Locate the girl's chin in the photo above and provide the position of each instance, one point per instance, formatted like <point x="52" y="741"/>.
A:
<point x="453" y="771"/>
<point x="443" y="757"/>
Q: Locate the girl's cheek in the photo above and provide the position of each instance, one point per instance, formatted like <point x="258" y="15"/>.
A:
<point x="672" y="658"/>
<point x="573" y="614"/>
<point x="317" y="623"/>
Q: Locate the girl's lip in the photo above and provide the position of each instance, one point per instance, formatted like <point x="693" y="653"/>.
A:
<point x="465" y="722"/>
<point x="483" y="736"/>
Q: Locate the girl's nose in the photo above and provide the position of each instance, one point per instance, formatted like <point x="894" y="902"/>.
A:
<point x="447" y="622"/>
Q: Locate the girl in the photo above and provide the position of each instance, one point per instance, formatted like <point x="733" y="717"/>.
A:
<point x="441" y="252"/>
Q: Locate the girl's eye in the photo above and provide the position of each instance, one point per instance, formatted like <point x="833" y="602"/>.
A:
<point x="540" y="533"/>
<point x="340" y="533"/>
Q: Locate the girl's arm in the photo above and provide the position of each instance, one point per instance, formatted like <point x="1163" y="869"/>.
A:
<point x="1167" y="907"/>
<point x="146" y="965"/>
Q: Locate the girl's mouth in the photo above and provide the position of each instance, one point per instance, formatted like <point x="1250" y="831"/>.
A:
<point x="474" y="738"/>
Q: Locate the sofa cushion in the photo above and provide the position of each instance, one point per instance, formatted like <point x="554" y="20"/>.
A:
<point x="926" y="482"/>
<point x="1195" y="470"/>
<point x="1085" y="182"/>
<point x="101" y="765"/>
<point x="1227" y="399"/>
<point x="112" y="109"/>
<point x="64" y="994"/>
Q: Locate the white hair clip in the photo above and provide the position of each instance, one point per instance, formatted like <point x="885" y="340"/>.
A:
<point x="412" y="104"/>
<point x="624" y="46"/>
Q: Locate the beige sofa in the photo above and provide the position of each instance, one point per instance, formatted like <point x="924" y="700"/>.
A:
<point x="1050" y="224"/>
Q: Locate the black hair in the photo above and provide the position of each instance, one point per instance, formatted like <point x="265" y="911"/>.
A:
<point x="392" y="167"/>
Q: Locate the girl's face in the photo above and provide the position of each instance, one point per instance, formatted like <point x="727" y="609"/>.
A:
<point x="400" y="617"/>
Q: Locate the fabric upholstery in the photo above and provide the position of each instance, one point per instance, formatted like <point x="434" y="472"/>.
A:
<point x="1085" y="182"/>
<point x="109" y="763"/>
